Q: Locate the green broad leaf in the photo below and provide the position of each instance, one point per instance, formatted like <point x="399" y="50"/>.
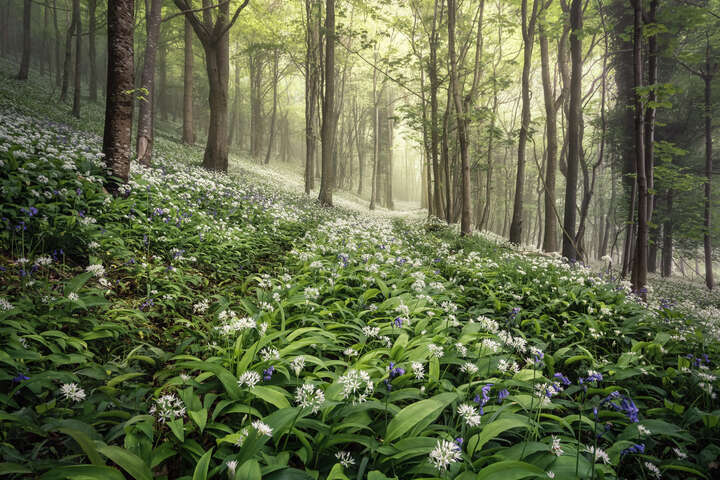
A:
<point x="495" y="428"/>
<point x="83" y="471"/>
<point x="86" y="444"/>
<point x="226" y="378"/>
<point x="77" y="283"/>
<point x="7" y="468"/>
<point x="273" y="395"/>
<point x="510" y="470"/>
<point x="337" y="473"/>
<point x="176" y="427"/>
<point x="289" y="474"/>
<point x="199" y="417"/>
<point x="201" y="469"/>
<point x="130" y="462"/>
<point x="683" y="468"/>
<point x="162" y="453"/>
<point x="250" y="470"/>
<point x="419" y="414"/>
<point x="121" y="378"/>
<point x="376" y="475"/>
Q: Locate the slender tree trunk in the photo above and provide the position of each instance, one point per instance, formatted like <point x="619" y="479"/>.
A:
<point x="639" y="272"/>
<point x="328" y="121"/>
<point x="161" y="102"/>
<point x="434" y="87"/>
<point x="45" y="57"/>
<point x="312" y="46"/>
<point x="528" y="33"/>
<point x="92" y="54"/>
<point x="78" y="59"/>
<point x="376" y="144"/>
<point x="217" y="59"/>
<point x="569" y="248"/>
<point x="188" y="132"/>
<point x="145" y="116"/>
<point x="120" y="79"/>
<point x="256" y="107"/>
<point x="709" y="281"/>
<point x="58" y="69"/>
<point x="551" y="221"/>
<point x="236" y="108"/>
<point x="271" y="136"/>
<point x="68" y="58"/>
<point x="26" y="40"/>
<point x="667" y="246"/>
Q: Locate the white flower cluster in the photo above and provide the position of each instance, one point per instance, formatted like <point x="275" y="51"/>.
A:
<point x="445" y="454"/>
<point x="357" y="386"/>
<point x="307" y="396"/>
<point x="168" y="408"/>
<point x="73" y="392"/>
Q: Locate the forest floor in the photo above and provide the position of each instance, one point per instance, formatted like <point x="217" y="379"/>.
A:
<point x="225" y="326"/>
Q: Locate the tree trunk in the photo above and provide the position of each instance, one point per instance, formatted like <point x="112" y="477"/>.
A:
<point x="92" y="54"/>
<point x="528" y="33"/>
<point x="58" y="69"/>
<point x="235" y="109"/>
<point x="188" y="132"/>
<point x="639" y="272"/>
<point x="434" y="87"/>
<point x="709" y="281"/>
<point x="256" y="114"/>
<point x="217" y="59"/>
<point x="161" y="102"/>
<point x="68" y="58"/>
<point x="551" y="220"/>
<point x="271" y="136"/>
<point x="26" y="41"/>
<point x="569" y="247"/>
<point x="45" y="57"/>
<point x="120" y="79"/>
<point x="328" y="121"/>
<point x="312" y="46"/>
<point x="145" y="116"/>
<point x="78" y="59"/>
<point x="667" y="246"/>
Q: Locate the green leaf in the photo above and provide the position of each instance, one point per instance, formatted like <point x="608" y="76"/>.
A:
<point x="85" y="443"/>
<point x="9" y="467"/>
<point x="201" y="469"/>
<point x="273" y="395"/>
<point x="199" y="417"/>
<point x="130" y="462"/>
<point x="176" y="427"/>
<point x="250" y="470"/>
<point x="226" y="378"/>
<point x="420" y="414"/>
<point x="376" y="475"/>
<point x="510" y="470"/>
<point x="121" y="378"/>
<point x="337" y="473"/>
<point x="289" y="474"/>
<point x="495" y="428"/>
<point x="83" y="471"/>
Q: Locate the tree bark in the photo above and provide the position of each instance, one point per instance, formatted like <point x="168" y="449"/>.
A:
<point x="528" y="34"/>
<point x="78" y="59"/>
<point x="58" y="70"/>
<point x="273" y="115"/>
<point x="312" y="46"/>
<point x="639" y="271"/>
<point x="67" y="66"/>
<point x="147" y="103"/>
<point x="434" y="87"/>
<point x="667" y="242"/>
<point x="26" y="41"/>
<point x="569" y="248"/>
<point x="256" y="114"/>
<point x="92" y="54"/>
<point x="709" y="68"/>
<point x="188" y="132"/>
<point x="120" y="79"/>
<point x="328" y="121"/>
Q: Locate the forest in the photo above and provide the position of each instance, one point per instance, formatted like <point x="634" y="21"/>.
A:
<point x="359" y="239"/>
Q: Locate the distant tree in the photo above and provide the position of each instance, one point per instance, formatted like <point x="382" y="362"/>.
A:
<point x="147" y="83"/>
<point x="78" y="59"/>
<point x="327" y="180"/>
<point x="120" y="83"/>
<point x="213" y="35"/>
<point x="188" y="136"/>
<point x="312" y="85"/>
<point x="528" y="35"/>
<point x="26" y="40"/>
<point x="92" y="53"/>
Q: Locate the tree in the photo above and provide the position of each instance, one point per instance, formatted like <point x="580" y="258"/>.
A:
<point x="26" y="41"/>
<point x="327" y="180"/>
<point x="639" y="271"/>
<point x="569" y="247"/>
<point x="147" y="83"/>
<point x="78" y="59"/>
<point x="312" y="84"/>
<point x="528" y="34"/>
<point x="215" y="41"/>
<point x="92" y="54"/>
<point x="119" y="102"/>
<point x="188" y="136"/>
<point x="67" y="65"/>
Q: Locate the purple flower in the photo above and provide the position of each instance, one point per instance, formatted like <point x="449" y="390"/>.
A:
<point x="502" y="395"/>
<point x="20" y="378"/>
<point x="268" y="373"/>
<point x="565" y="380"/>
<point x="636" y="448"/>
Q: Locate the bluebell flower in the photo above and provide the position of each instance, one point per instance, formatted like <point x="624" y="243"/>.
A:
<point x="20" y="378"/>
<point x="565" y="380"/>
<point x="268" y="373"/>
<point x="502" y="395"/>
<point x="636" y="448"/>
<point x="459" y="441"/>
